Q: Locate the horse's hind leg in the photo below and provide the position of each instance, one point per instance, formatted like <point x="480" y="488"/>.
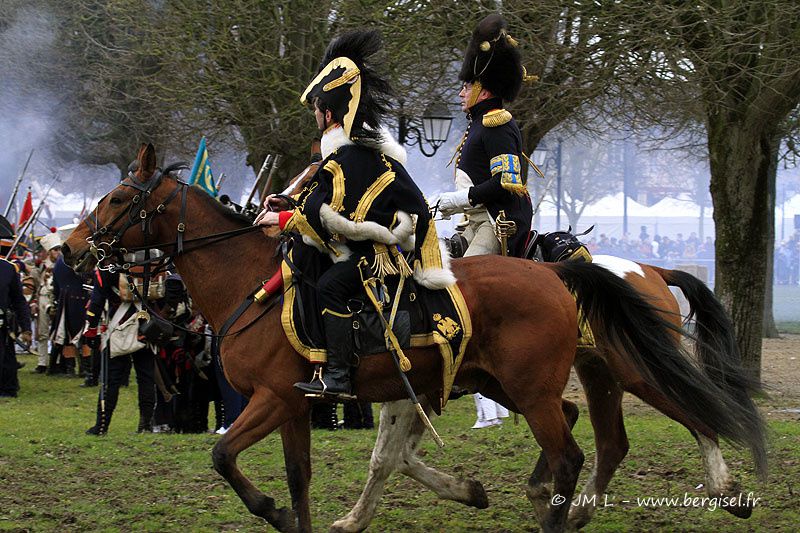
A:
<point x="467" y="491"/>
<point x="538" y="491"/>
<point x="396" y="423"/>
<point x="604" y="398"/>
<point x="262" y="415"/>
<point x="719" y="482"/>
<point x="296" y="437"/>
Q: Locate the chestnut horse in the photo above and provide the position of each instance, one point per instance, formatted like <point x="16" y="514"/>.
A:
<point x="605" y="375"/>
<point x="524" y="321"/>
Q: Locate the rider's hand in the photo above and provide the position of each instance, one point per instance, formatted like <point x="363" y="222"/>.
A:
<point x="267" y="218"/>
<point x="275" y="203"/>
<point x="453" y="202"/>
<point x="26" y="337"/>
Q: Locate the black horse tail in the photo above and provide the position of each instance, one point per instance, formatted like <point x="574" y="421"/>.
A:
<point x="716" y="396"/>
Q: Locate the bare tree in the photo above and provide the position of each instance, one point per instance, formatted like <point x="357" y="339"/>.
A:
<point x="737" y="63"/>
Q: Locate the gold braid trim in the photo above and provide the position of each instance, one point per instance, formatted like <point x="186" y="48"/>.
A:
<point x="372" y="193"/>
<point x="299" y="223"/>
<point x="337" y="202"/>
<point x="496" y="117"/>
<point x="382" y="265"/>
<point x="400" y="261"/>
<point x="431" y="255"/>
<point x="341" y="80"/>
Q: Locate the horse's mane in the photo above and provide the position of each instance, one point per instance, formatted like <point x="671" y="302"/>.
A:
<point x="230" y="214"/>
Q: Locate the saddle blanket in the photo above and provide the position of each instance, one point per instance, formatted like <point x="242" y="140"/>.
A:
<point x="424" y="318"/>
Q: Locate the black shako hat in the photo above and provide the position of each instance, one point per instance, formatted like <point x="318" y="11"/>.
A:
<point x="493" y="59"/>
<point x="350" y="87"/>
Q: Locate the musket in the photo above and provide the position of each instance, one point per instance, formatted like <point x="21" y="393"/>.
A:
<point x="16" y="187"/>
<point x="24" y="229"/>
<point x="267" y="163"/>
<point x="221" y="180"/>
<point x="272" y="170"/>
<point x="29" y="223"/>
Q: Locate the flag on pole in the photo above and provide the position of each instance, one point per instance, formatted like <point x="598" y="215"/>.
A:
<point x="27" y="210"/>
<point x="201" y="171"/>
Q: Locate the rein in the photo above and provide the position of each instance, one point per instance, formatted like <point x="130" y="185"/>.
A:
<point x="103" y="250"/>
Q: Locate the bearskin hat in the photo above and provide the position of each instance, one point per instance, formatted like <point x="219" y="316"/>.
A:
<point x="6" y="230"/>
<point x="492" y="58"/>
<point x="350" y="87"/>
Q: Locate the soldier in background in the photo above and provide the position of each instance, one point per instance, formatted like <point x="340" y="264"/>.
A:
<point x="68" y="312"/>
<point x="43" y="297"/>
<point x="15" y="319"/>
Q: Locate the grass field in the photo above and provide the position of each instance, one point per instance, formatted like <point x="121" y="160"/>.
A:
<point x="55" y="478"/>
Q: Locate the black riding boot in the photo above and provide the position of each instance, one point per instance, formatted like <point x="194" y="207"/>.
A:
<point x="335" y="377"/>
<point x="69" y="367"/>
<point x="54" y="365"/>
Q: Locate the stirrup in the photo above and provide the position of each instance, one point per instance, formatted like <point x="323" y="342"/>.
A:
<point x="323" y="394"/>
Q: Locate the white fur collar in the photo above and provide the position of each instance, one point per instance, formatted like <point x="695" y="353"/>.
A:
<point x="335" y="138"/>
<point x="391" y="147"/>
<point x="332" y="140"/>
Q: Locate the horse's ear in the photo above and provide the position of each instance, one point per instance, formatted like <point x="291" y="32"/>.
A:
<point x="147" y="160"/>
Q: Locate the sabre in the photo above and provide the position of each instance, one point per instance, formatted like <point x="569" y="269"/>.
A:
<point x="16" y="187"/>
<point x="267" y="163"/>
<point x="504" y="228"/>
<point x="272" y="170"/>
<point x="397" y="355"/>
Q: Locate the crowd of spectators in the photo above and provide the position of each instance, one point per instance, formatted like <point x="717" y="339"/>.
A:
<point x="658" y="247"/>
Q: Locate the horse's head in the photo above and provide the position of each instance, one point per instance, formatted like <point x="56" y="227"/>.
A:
<point x="123" y="218"/>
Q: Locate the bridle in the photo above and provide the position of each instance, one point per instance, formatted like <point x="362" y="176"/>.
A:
<point x="111" y="258"/>
<point x="138" y="213"/>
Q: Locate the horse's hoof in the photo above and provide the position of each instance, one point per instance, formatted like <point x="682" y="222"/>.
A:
<point x="286" y="521"/>
<point x="539" y="496"/>
<point x="477" y="495"/>
<point x="344" y="525"/>
<point x="739" y="511"/>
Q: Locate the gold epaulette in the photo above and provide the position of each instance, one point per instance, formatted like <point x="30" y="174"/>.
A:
<point x="496" y="117"/>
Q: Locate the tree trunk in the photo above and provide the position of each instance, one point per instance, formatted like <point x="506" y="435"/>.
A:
<point x="770" y="330"/>
<point x="740" y="162"/>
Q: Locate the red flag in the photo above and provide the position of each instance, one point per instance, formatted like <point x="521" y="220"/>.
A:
<point x="27" y="211"/>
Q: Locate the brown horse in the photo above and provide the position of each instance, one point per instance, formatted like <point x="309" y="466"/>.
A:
<point x="522" y="347"/>
<point x="605" y="375"/>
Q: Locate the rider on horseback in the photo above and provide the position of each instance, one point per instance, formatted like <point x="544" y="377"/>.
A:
<point x="361" y="208"/>
<point x="489" y="177"/>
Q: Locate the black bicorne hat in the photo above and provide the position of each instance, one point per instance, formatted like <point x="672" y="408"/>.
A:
<point x="493" y="59"/>
<point x="349" y="86"/>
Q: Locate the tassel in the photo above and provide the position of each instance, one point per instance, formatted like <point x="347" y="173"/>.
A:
<point x="382" y="265"/>
<point x="400" y="261"/>
<point x="405" y="363"/>
<point x="517" y="188"/>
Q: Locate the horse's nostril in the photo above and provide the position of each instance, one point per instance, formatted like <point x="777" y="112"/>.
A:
<point x="65" y="252"/>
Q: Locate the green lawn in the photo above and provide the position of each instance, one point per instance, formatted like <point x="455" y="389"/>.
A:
<point x="55" y="478"/>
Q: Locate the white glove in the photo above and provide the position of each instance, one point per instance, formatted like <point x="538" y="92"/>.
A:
<point x="453" y="202"/>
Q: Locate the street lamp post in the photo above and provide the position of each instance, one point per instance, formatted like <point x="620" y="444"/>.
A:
<point x="543" y="157"/>
<point x="435" y="124"/>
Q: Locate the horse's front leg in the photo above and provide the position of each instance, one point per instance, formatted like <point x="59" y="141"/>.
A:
<point x="296" y="436"/>
<point x="263" y="414"/>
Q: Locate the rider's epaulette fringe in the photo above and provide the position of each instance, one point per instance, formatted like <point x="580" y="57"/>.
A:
<point x="496" y="117"/>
